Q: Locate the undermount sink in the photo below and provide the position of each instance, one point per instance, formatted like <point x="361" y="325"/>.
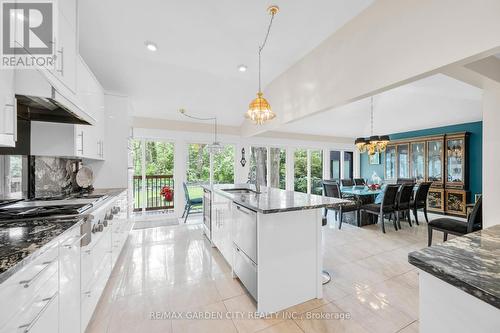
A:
<point x="240" y="191"/>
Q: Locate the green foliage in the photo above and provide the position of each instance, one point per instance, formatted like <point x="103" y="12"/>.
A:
<point x="224" y="166"/>
<point x="198" y="168"/>
<point x="300" y="170"/>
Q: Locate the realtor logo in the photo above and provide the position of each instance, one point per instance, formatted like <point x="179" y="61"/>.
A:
<point x="28" y="34"/>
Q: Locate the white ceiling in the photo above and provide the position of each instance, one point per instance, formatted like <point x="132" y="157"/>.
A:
<point x="431" y="102"/>
<point x="200" y="44"/>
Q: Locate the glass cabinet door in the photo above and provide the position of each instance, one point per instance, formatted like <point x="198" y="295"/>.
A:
<point x="403" y="161"/>
<point x="390" y="162"/>
<point x="454" y="160"/>
<point x="435" y="161"/>
<point x="417" y="161"/>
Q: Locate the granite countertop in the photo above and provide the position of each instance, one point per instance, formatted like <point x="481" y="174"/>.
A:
<point x="23" y="241"/>
<point x="470" y="263"/>
<point x="273" y="200"/>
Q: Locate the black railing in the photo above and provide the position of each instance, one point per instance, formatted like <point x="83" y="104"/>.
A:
<point x="153" y="198"/>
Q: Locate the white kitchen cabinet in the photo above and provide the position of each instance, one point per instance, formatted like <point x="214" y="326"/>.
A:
<point x="69" y="283"/>
<point x="90" y="139"/>
<point x="222" y="220"/>
<point x="8" y="116"/>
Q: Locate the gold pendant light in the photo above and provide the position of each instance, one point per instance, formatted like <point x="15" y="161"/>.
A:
<point x="259" y="110"/>
<point x="374" y="144"/>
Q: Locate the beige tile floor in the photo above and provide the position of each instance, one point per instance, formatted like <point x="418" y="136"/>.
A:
<point x="174" y="269"/>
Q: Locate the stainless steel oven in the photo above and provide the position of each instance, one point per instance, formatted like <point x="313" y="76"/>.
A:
<point x="207" y="212"/>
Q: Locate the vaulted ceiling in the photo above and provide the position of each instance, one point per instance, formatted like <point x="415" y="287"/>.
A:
<point x="200" y="45"/>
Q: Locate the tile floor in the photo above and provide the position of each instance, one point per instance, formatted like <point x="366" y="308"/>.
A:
<point x="174" y="269"/>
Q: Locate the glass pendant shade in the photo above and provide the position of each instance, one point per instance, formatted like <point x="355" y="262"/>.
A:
<point x="360" y="144"/>
<point x="259" y="110"/>
<point x="215" y="148"/>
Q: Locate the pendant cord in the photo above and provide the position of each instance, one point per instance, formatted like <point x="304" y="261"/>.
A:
<point x="214" y="119"/>
<point x="263" y="45"/>
<point x="371" y="112"/>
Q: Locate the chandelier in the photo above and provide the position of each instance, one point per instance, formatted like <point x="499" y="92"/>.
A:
<point x="215" y="147"/>
<point x="374" y="144"/>
<point x="259" y="110"/>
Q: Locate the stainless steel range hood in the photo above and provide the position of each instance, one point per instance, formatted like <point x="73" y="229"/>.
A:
<point x="41" y="97"/>
<point x="53" y="110"/>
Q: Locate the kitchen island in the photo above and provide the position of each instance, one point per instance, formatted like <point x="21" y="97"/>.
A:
<point x="271" y="239"/>
<point x="460" y="283"/>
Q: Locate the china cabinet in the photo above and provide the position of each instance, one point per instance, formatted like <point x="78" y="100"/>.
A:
<point x="455" y="160"/>
<point x="435" y="200"/>
<point x="403" y="159"/>
<point x="441" y="160"/>
<point x="390" y="162"/>
<point x="417" y="161"/>
<point x="435" y="161"/>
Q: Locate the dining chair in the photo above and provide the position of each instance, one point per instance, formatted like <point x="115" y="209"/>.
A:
<point x="403" y="203"/>
<point x="190" y="202"/>
<point x="401" y="181"/>
<point x="420" y="200"/>
<point x="347" y="182"/>
<point x="359" y="182"/>
<point x="332" y="189"/>
<point x="456" y="227"/>
<point x="386" y="207"/>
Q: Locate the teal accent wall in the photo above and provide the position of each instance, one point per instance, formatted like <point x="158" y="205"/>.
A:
<point x="474" y="152"/>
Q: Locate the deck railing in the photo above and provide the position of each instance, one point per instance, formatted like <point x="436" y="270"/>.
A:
<point x="151" y="197"/>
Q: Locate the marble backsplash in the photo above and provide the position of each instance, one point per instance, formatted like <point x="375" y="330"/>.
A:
<point x="53" y="176"/>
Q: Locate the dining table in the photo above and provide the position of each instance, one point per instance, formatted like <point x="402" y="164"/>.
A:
<point x="364" y="195"/>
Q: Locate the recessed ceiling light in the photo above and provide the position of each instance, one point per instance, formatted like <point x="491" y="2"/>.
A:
<point x="242" y="68"/>
<point x="151" y="46"/>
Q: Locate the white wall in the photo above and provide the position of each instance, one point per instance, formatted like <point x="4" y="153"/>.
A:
<point x="491" y="157"/>
<point x="113" y="172"/>
<point x="181" y="139"/>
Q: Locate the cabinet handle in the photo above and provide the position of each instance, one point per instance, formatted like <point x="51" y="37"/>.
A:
<point x="27" y="327"/>
<point x="27" y="283"/>
<point x="243" y="210"/>
<point x="81" y="149"/>
<point x="61" y="52"/>
<point x="87" y="293"/>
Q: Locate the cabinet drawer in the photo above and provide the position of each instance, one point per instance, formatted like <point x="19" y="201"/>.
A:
<point x="40" y="314"/>
<point x="21" y="288"/>
<point x="245" y="231"/>
<point x="246" y="270"/>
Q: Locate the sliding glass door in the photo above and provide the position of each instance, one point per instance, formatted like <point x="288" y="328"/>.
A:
<point x="153" y="175"/>
<point x="316" y="166"/>
<point x="277" y="168"/>
<point x="259" y="158"/>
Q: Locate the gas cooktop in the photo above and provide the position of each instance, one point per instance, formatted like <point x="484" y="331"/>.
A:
<point x="14" y="212"/>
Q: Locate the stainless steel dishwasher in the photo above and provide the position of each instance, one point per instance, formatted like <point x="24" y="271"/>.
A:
<point x="245" y="241"/>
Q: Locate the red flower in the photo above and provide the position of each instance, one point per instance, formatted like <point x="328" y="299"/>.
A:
<point x="167" y="193"/>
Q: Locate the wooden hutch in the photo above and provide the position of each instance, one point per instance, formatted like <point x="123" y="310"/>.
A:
<point x="440" y="159"/>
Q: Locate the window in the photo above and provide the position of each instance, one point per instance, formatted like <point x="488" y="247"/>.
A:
<point x="259" y="158"/>
<point x="278" y="168"/>
<point x="316" y="172"/>
<point x="300" y="170"/>
<point x="223" y="164"/>
<point x="335" y="164"/>
<point x="348" y="164"/>
<point x="13" y="176"/>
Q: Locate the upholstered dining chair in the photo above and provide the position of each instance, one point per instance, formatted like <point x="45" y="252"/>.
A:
<point x="403" y="203"/>
<point x="386" y="207"/>
<point x="456" y="227"/>
<point x="347" y="182"/>
<point x="332" y="189"/>
<point x="420" y="200"/>
<point x="359" y="181"/>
